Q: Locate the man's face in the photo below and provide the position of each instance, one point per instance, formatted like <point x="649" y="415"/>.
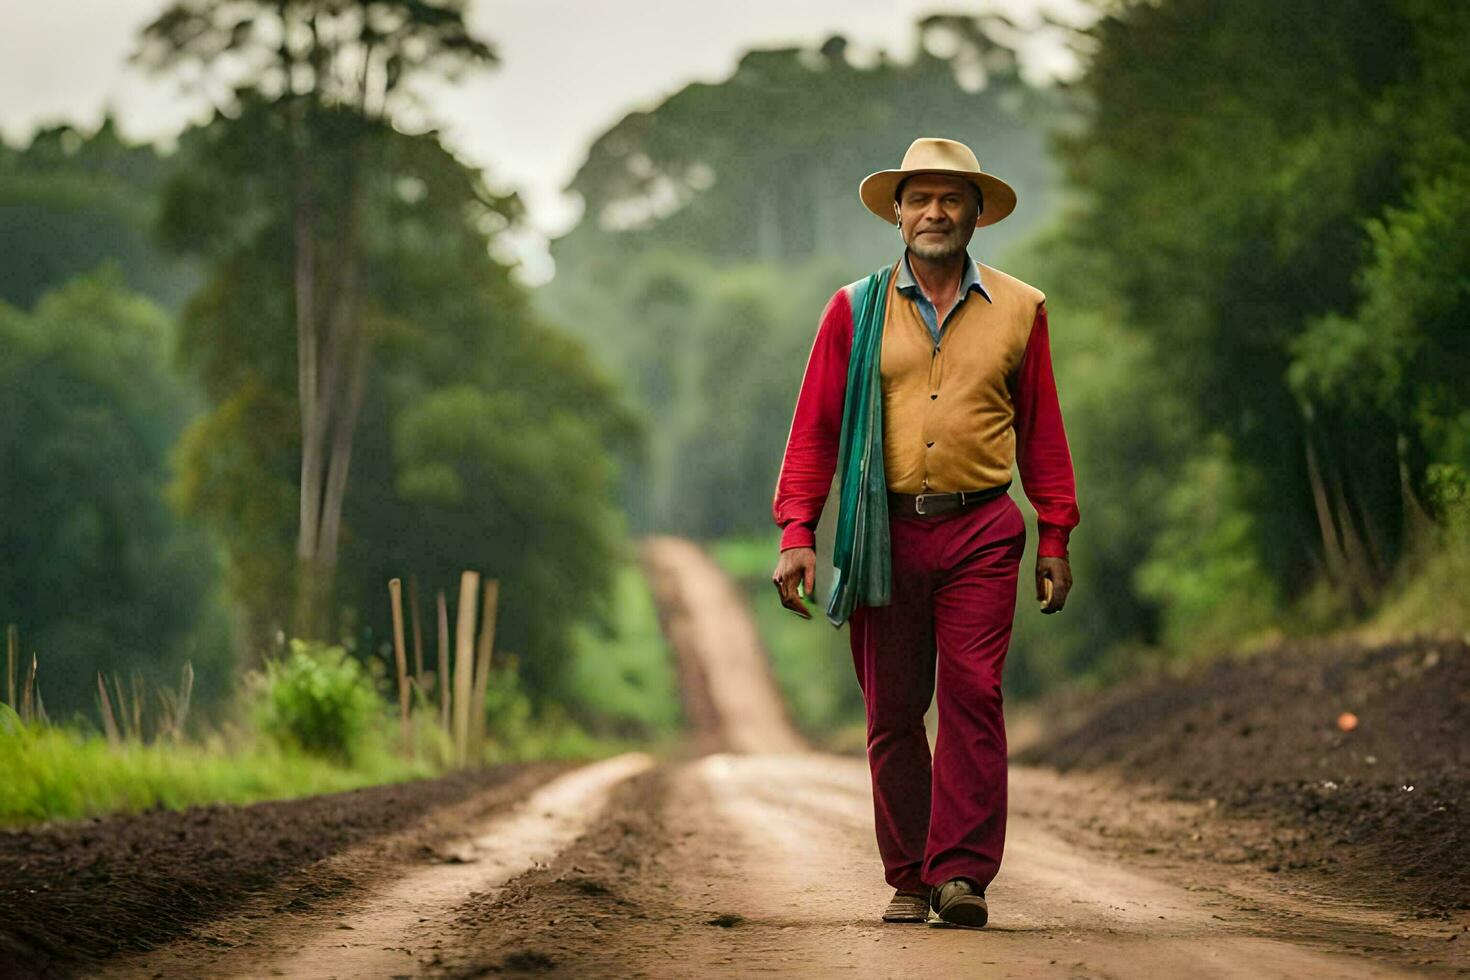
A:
<point x="936" y="215"/>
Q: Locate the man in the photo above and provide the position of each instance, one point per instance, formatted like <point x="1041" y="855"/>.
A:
<point x="926" y="382"/>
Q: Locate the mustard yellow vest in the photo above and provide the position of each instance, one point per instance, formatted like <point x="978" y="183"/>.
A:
<point x="948" y="411"/>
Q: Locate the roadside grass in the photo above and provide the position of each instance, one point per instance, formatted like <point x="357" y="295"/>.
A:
<point x="54" y="773"/>
<point x="1430" y="595"/>
<point x="316" y="722"/>
<point x="811" y="661"/>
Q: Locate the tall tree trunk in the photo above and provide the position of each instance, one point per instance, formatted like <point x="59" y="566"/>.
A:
<point x="1377" y="550"/>
<point x="1332" y="554"/>
<point x="1350" y="566"/>
<point x="1358" y="563"/>
<point x="1417" y="522"/>
<point x="309" y="399"/>
<point x="331" y="392"/>
<point x="343" y="436"/>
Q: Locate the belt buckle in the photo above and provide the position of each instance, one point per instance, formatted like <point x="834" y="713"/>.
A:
<point x="919" y="502"/>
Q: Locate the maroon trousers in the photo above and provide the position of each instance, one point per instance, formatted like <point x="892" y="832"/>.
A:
<point x="954" y="597"/>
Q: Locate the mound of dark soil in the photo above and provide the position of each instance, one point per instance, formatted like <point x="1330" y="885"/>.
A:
<point x="1379" y="801"/>
<point x="81" y="890"/>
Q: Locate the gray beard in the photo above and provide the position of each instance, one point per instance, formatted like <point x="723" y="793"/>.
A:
<point x="946" y="249"/>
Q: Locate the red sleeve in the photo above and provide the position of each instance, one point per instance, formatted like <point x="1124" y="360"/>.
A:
<point x="816" y="427"/>
<point x="1041" y="445"/>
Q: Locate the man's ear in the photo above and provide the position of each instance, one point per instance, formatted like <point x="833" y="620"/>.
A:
<point x="897" y="214"/>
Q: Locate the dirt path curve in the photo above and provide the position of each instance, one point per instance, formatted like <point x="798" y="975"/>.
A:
<point x="760" y="860"/>
<point x="730" y="696"/>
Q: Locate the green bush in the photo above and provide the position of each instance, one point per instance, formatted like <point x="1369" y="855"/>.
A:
<point x="620" y="681"/>
<point x="318" y="700"/>
<point x="1203" y="568"/>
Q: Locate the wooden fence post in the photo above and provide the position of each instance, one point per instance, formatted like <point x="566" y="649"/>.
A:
<point x="442" y="681"/>
<point x="418" y="631"/>
<point x="464" y="661"/>
<point x="482" y="664"/>
<point x="400" y="660"/>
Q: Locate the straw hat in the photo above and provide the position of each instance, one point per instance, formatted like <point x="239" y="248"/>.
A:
<point x="929" y="155"/>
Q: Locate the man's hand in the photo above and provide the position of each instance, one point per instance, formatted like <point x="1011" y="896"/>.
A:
<point x="797" y="566"/>
<point x="1059" y="573"/>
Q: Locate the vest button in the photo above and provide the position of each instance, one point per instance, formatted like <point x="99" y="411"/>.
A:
<point x="934" y="396"/>
<point x="929" y="444"/>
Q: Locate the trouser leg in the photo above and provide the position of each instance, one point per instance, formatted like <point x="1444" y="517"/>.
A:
<point x="974" y="604"/>
<point x="893" y="653"/>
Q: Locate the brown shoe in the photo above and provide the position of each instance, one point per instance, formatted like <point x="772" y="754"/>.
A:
<point x="907" y="907"/>
<point x="959" y="903"/>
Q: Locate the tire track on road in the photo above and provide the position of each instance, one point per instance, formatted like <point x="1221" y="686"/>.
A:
<point x="396" y="928"/>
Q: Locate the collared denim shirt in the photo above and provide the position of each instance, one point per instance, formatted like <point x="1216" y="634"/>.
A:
<point x="969" y="279"/>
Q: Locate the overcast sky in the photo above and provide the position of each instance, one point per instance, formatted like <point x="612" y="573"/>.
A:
<point x="569" y="69"/>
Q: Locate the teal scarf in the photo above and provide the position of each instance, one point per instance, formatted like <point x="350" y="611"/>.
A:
<point x="861" y="562"/>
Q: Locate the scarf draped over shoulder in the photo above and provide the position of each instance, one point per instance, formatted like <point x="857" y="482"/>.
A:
<point x="862" y="572"/>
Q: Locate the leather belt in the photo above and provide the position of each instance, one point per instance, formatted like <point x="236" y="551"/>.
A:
<point x="935" y="504"/>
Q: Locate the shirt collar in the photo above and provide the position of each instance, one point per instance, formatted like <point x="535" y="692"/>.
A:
<point x="969" y="279"/>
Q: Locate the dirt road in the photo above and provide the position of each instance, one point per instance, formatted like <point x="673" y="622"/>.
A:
<point x="750" y="856"/>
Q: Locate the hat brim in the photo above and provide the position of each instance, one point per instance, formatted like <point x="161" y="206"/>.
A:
<point x="877" y="192"/>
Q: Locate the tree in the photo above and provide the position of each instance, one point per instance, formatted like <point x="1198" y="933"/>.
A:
<point x="1281" y="286"/>
<point x="762" y="166"/>
<point x="311" y="87"/>
<point x="452" y="333"/>
<point x="98" y="573"/>
<point x="72" y="200"/>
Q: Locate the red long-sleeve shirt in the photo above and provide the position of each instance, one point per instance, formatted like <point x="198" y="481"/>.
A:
<point x="810" y="460"/>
